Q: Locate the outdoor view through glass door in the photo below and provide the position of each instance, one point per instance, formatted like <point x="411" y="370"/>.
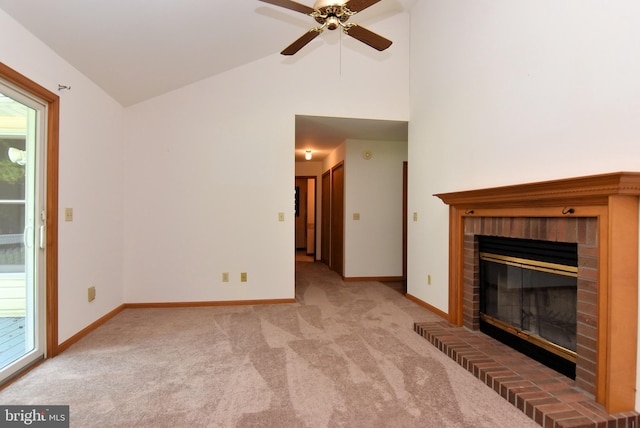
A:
<point x="22" y="328"/>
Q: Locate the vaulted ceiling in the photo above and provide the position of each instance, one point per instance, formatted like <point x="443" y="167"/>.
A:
<point x="138" y="49"/>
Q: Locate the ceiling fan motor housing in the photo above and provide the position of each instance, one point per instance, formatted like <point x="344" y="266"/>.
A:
<point x="332" y="22"/>
<point x="331" y="14"/>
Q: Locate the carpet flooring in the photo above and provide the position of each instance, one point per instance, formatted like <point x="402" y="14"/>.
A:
<point x="344" y="355"/>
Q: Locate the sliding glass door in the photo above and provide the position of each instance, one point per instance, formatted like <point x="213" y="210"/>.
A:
<point x="22" y="219"/>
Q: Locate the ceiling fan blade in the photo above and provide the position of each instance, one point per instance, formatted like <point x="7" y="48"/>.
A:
<point x="302" y="41"/>
<point x="290" y="4"/>
<point x="358" y="5"/>
<point x="367" y="36"/>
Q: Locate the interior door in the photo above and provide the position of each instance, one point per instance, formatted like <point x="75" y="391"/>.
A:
<point x="301" y="213"/>
<point x="405" y="213"/>
<point x="22" y="219"/>
<point x="337" y="219"/>
<point x="311" y="216"/>
<point x="325" y="228"/>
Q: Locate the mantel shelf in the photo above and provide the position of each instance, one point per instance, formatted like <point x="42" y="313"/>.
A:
<point x="588" y="190"/>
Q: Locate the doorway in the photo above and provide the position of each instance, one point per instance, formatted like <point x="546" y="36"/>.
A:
<point x="28" y="222"/>
<point x="305" y="218"/>
<point x="330" y="141"/>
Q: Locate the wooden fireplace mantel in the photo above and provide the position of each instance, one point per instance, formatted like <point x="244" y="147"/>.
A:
<point x="594" y="189"/>
<point x="613" y="199"/>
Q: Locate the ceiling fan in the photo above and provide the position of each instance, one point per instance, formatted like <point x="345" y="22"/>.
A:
<point x="332" y="14"/>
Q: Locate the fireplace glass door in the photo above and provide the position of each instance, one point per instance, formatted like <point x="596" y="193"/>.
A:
<point x="534" y="301"/>
<point x="539" y="303"/>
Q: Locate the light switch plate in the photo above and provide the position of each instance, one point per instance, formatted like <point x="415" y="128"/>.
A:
<point x="91" y="294"/>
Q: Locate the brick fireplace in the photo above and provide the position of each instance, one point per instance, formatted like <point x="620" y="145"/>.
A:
<point x="600" y="214"/>
<point x="581" y="230"/>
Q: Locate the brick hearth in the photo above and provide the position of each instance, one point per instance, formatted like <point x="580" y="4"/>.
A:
<point x="550" y="399"/>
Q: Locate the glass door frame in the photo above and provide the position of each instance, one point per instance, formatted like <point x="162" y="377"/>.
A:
<point x="28" y="135"/>
<point x="52" y="103"/>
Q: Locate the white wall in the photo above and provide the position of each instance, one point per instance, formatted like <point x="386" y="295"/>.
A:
<point x="209" y="167"/>
<point x="309" y="169"/>
<point x="506" y="92"/>
<point x="335" y="157"/>
<point x="373" y="189"/>
<point x="90" y="182"/>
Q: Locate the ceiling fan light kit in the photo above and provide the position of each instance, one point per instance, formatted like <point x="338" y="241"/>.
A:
<point x="331" y="14"/>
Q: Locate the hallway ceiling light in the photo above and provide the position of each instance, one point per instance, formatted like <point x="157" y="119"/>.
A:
<point x="308" y="155"/>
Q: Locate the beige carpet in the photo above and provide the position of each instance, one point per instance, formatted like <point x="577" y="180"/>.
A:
<point x="345" y="355"/>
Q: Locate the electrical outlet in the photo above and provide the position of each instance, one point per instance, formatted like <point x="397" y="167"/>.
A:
<point x="415" y="216"/>
<point x="243" y="277"/>
<point x="225" y="276"/>
<point x="91" y="294"/>
<point x="68" y="214"/>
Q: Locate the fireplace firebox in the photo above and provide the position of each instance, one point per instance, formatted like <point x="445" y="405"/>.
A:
<point x="528" y="296"/>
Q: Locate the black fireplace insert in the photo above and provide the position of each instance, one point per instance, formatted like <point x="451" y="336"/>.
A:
<point x="528" y="297"/>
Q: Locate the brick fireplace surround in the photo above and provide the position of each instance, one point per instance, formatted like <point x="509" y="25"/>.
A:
<point x="600" y="214"/>
<point x="580" y="230"/>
